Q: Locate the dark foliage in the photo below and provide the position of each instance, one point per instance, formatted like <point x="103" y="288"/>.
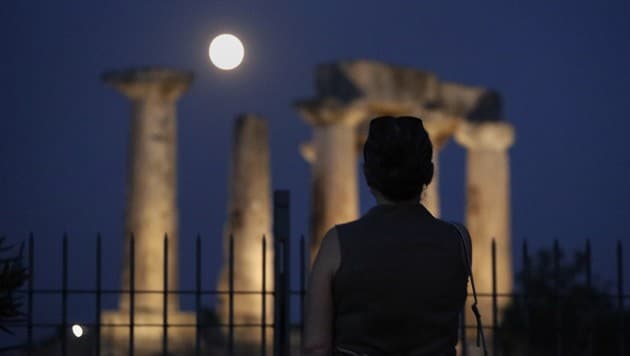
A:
<point x="558" y="312"/>
<point x="12" y="276"/>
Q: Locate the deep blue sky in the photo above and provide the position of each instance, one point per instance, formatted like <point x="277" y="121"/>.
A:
<point x="560" y="65"/>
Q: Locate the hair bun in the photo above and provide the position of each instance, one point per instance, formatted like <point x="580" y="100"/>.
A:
<point x="397" y="156"/>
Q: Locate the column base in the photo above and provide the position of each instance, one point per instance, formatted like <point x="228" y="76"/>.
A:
<point x="148" y="332"/>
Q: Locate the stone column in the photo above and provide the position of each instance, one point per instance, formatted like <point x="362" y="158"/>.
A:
<point x="440" y="129"/>
<point x="151" y="206"/>
<point x="488" y="206"/>
<point x="249" y="218"/>
<point x="333" y="156"/>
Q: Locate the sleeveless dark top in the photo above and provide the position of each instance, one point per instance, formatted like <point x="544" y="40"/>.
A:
<point x="401" y="284"/>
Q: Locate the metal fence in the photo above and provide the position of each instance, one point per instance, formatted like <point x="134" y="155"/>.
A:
<point x="284" y="331"/>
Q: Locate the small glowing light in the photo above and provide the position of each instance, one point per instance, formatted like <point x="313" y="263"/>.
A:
<point x="226" y="51"/>
<point x="77" y="330"/>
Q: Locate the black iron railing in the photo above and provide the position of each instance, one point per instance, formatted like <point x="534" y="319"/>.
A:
<point x="284" y="330"/>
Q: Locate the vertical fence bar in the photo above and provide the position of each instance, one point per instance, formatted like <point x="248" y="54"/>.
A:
<point x="132" y="290"/>
<point x="263" y="331"/>
<point x="463" y="327"/>
<point x="462" y="336"/>
<point x="231" y="298"/>
<point x="165" y="299"/>
<point x="620" y="306"/>
<point x="287" y="286"/>
<point x="526" y="285"/>
<point x="281" y="232"/>
<point x="64" y="296"/>
<point x="302" y="285"/>
<point x="495" y="311"/>
<point x="198" y="295"/>
<point x="556" y="277"/>
<point x="98" y="295"/>
<point x="589" y="284"/>
<point x="29" y="296"/>
<point x="589" y="275"/>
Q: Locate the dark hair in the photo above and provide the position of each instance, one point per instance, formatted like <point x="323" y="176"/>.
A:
<point x="397" y="157"/>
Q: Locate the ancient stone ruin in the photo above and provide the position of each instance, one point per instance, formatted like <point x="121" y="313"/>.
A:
<point x="248" y="221"/>
<point x="348" y="94"/>
<point x="151" y="215"/>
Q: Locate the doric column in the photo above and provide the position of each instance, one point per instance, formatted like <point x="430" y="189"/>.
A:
<point x="249" y="218"/>
<point x="333" y="157"/>
<point x="488" y="205"/>
<point x="151" y="199"/>
<point x="440" y="128"/>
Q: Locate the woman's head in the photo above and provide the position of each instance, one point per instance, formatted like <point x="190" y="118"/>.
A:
<point x="397" y="157"/>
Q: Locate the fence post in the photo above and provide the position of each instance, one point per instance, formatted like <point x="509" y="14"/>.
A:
<point x="198" y="328"/>
<point x="132" y="292"/>
<point x="302" y="286"/>
<point x="495" y="305"/>
<point x="165" y="299"/>
<point x="263" y="327"/>
<point x="281" y="232"/>
<point x="31" y="269"/>
<point x="589" y="284"/>
<point x="64" y="296"/>
<point x="526" y="299"/>
<point x="557" y="297"/>
<point x="231" y="297"/>
<point x="99" y="291"/>
<point x="620" y="306"/>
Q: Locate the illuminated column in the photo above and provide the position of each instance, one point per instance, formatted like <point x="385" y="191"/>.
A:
<point x="488" y="205"/>
<point x="151" y="206"/>
<point x="440" y="129"/>
<point x="249" y="218"/>
<point x="333" y="157"/>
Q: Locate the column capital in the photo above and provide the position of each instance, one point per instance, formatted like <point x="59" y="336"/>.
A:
<point x="329" y="111"/>
<point x="144" y="83"/>
<point x="307" y="150"/>
<point x="439" y="126"/>
<point x="493" y="135"/>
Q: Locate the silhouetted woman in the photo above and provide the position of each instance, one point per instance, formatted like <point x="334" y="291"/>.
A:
<point x="394" y="281"/>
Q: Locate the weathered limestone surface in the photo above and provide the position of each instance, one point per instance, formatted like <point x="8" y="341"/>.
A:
<point x="333" y="157"/>
<point x="440" y="127"/>
<point x="348" y="94"/>
<point x="249" y="218"/>
<point x="470" y="103"/>
<point x="488" y="206"/>
<point x="386" y="89"/>
<point x="151" y="208"/>
<point x="376" y="82"/>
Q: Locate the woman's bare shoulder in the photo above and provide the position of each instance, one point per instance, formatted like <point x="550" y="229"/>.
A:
<point x="329" y="255"/>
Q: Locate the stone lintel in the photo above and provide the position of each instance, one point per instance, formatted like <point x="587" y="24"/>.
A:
<point x="440" y="127"/>
<point x="142" y="83"/>
<point x="470" y="103"/>
<point x="390" y="88"/>
<point x="375" y="81"/>
<point x="397" y="90"/>
<point x="329" y="111"/>
<point x="496" y="136"/>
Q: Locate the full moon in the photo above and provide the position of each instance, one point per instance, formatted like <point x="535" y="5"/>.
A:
<point x="226" y="51"/>
<point x="77" y="330"/>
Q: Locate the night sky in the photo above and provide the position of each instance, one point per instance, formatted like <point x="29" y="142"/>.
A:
<point x="561" y="66"/>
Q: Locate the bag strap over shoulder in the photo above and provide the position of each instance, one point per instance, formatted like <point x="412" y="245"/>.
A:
<point x="466" y="244"/>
